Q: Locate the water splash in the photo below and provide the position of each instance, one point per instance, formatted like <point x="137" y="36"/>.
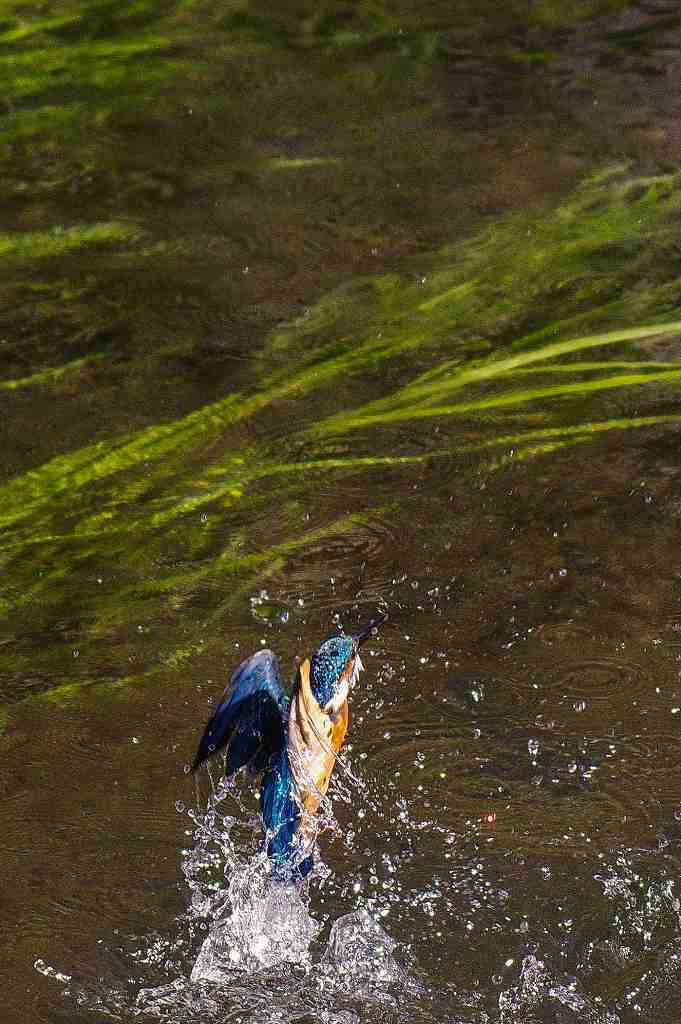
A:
<point x="542" y="993"/>
<point x="262" y="948"/>
<point x="266" y="923"/>
<point x="249" y="947"/>
<point x="360" y="957"/>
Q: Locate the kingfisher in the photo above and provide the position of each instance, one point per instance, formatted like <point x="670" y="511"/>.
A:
<point x="291" y="741"/>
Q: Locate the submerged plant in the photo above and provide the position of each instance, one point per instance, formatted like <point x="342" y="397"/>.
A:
<point x="519" y="334"/>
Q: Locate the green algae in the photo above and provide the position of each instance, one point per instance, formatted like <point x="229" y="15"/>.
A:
<point x="574" y="262"/>
<point x="92" y="90"/>
<point x="420" y="398"/>
<point x="281" y="163"/>
<point x="252" y="570"/>
<point x="548" y="13"/>
<point x="39" y="245"/>
<point x="172" y="510"/>
<point x="50" y="376"/>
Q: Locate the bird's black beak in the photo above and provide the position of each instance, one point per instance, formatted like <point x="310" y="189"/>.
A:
<point x="368" y="630"/>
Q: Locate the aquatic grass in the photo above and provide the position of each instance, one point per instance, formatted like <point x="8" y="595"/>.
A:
<point x="574" y="261"/>
<point x="572" y="389"/>
<point x="590" y="367"/>
<point x="107" y="460"/>
<point x="95" y="463"/>
<point x="369" y="352"/>
<point x="173" y="511"/>
<point x="101" y="67"/>
<point x="244" y="470"/>
<point x="51" y="375"/>
<point x="281" y="163"/>
<point x="580" y="433"/>
<point x="252" y="570"/>
<point x="102" y="59"/>
<point x="502" y="462"/>
<point x="419" y="398"/>
<point x="39" y="245"/>
<point x="176" y="516"/>
<point x="69" y="76"/>
<point x="24" y="495"/>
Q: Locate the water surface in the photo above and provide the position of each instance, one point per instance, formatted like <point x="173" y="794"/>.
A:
<point x="305" y="314"/>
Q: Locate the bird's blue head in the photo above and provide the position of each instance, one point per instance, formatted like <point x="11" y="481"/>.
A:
<point x="336" y="666"/>
<point x="332" y="669"/>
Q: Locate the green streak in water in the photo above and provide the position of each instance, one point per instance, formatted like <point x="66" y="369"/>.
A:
<point x="50" y="376"/>
<point x="38" y="245"/>
<point x="525" y="296"/>
<point x="418" y="395"/>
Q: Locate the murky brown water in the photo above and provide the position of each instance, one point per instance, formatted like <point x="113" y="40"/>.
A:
<point x="306" y="313"/>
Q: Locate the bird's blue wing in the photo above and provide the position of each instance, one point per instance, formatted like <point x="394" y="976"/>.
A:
<point x="251" y="718"/>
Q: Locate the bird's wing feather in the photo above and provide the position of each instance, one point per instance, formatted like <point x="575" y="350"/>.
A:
<point x="251" y="718"/>
<point x="279" y="807"/>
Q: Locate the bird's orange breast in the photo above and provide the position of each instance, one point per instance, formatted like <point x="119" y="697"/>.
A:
<point x="314" y="740"/>
<point x="336" y="731"/>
